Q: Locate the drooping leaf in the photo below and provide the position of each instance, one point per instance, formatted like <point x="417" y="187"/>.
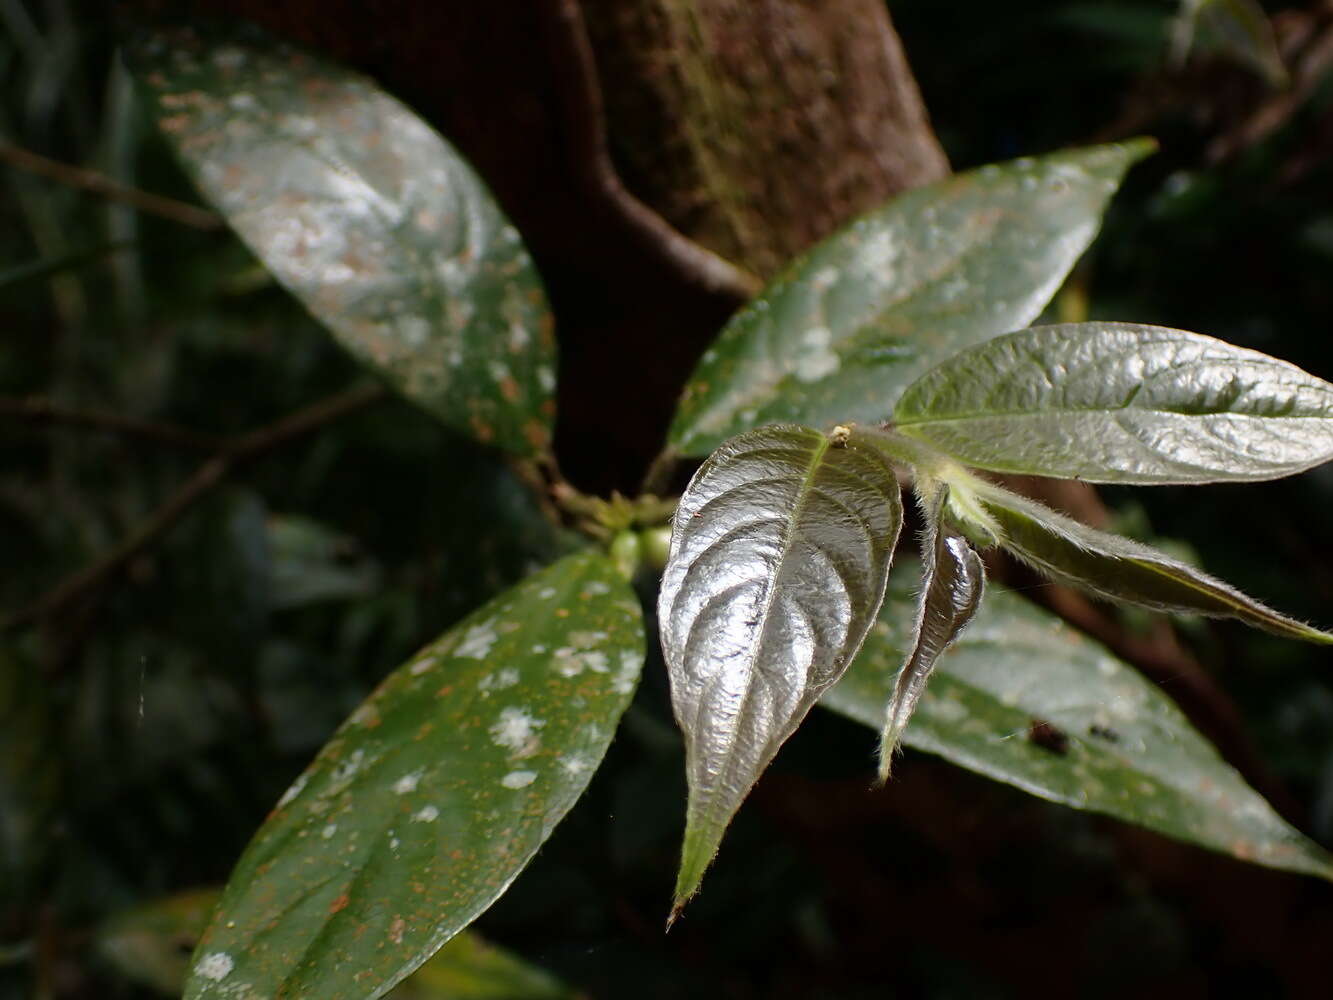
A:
<point x="779" y="553"/>
<point x="368" y="217"/>
<point x="433" y="796"/>
<point x="953" y="580"/>
<point x="849" y="325"/>
<point x="1122" y="403"/>
<point x="1122" y="569"/>
<point x="150" y="944"/>
<point x="1024" y="699"/>
<point x="1239" y="29"/>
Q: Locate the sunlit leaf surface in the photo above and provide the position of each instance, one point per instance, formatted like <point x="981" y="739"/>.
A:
<point x="1122" y="403"/>
<point x="779" y="554"/>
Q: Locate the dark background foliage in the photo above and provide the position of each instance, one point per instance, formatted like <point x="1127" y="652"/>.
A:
<point x="145" y="733"/>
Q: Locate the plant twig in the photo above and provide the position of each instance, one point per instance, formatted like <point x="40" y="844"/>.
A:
<point x="244" y="448"/>
<point x="42" y="411"/>
<point x="90" y="180"/>
<point x="590" y="160"/>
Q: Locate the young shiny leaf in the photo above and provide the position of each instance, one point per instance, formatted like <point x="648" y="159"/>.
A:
<point x="953" y="579"/>
<point x="433" y="796"/>
<point x="368" y="217"/>
<point x="847" y="326"/>
<point x="1122" y="569"/>
<point x="1122" y="403"/>
<point x="779" y="553"/>
<point x="1112" y="742"/>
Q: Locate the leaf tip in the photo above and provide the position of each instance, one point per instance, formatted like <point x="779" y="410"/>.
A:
<point x="677" y="908"/>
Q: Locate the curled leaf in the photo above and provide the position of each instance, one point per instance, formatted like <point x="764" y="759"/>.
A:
<point x="1122" y="569"/>
<point x="780" y="550"/>
<point x="953" y="579"/>
<point x="1122" y="403"/>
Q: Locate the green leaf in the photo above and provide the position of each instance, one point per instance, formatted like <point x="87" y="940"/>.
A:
<point x="1121" y="569"/>
<point x="1113" y="742"/>
<point x="368" y="217"/>
<point x="149" y="944"/>
<point x="779" y="554"/>
<point x="850" y="324"/>
<point x="1122" y="403"/>
<point x="953" y="580"/>
<point x="433" y="796"/>
<point x="1239" y="29"/>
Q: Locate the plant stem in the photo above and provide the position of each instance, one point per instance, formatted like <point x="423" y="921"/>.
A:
<point x="86" y="581"/>
<point x="91" y="180"/>
<point x="40" y="411"/>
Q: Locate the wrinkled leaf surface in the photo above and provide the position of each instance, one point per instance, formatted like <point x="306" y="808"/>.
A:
<point x="780" y="550"/>
<point x="849" y="325"/>
<point x="1125" y="570"/>
<point x="1122" y="403"/>
<point x="368" y="217"/>
<point x="433" y="796"/>
<point x="953" y="580"/>
<point x="1128" y="752"/>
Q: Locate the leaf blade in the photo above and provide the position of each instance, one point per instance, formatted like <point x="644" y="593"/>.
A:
<point x="1130" y="752"/>
<point x="433" y="796"/>
<point x="852" y="322"/>
<point x="1124" y="570"/>
<point x="953" y="580"/>
<point x="368" y="217"/>
<point x="1122" y="403"/>
<point x="779" y="553"/>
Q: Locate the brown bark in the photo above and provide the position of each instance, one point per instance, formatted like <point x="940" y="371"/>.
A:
<point x="758" y="126"/>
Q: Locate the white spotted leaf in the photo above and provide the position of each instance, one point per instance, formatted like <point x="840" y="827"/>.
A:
<point x="433" y="796"/>
<point x="366" y="215"/>
<point x="847" y="326"/>
<point x="1112" y="742"/>
<point x="1122" y="403"/>
<point x="780" y="550"/>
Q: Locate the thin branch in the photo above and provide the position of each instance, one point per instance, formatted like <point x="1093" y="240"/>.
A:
<point x="242" y="449"/>
<point x="590" y="160"/>
<point x="90" y="180"/>
<point x="42" y="411"/>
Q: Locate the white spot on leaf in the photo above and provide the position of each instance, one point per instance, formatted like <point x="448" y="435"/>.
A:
<point x="296" y="788"/>
<point x="516" y="731"/>
<point x="407" y="783"/>
<point x="477" y="641"/>
<point x="216" y="966"/>
<point x="426" y="814"/>
<point x="518" y="779"/>
<point x="328" y="831"/>
<point x="817" y="360"/>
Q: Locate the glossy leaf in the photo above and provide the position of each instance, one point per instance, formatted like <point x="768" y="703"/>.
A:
<point x="1124" y="570"/>
<point x="368" y="217"/>
<point x="841" y="333"/>
<point x="779" y="553"/>
<point x="433" y="796"/>
<point x="1122" y="403"/>
<point x="149" y="944"/>
<point x="1112" y="742"/>
<point x="953" y="580"/>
